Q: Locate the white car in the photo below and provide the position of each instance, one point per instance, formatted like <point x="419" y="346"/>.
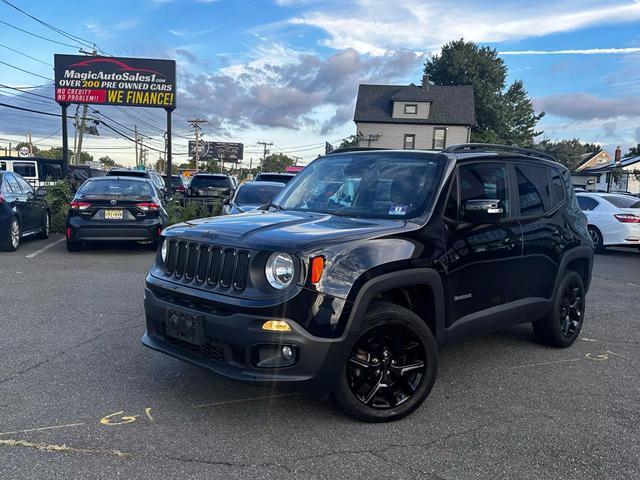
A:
<point x="613" y="219"/>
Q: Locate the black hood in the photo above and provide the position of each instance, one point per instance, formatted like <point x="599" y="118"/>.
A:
<point x="289" y="231"/>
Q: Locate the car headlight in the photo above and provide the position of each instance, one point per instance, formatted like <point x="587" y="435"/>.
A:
<point x="163" y="251"/>
<point x="279" y="270"/>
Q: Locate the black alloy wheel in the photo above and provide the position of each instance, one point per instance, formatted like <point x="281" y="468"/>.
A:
<point x="562" y="325"/>
<point x="391" y="368"/>
<point x="386" y="366"/>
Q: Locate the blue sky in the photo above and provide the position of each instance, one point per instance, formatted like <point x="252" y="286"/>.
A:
<point x="287" y="71"/>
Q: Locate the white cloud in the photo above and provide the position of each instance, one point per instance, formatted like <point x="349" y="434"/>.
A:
<point x="587" y="51"/>
<point x="373" y="26"/>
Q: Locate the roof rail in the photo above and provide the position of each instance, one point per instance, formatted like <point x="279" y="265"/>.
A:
<point x="491" y="147"/>
<point x="355" y="149"/>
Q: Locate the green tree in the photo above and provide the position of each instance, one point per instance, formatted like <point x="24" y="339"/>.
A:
<point x="107" y="161"/>
<point x="350" y="141"/>
<point x="568" y="152"/>
<point x="501" y="116"/>
<point x="277" y="162"/>
<point x="633" y="151"/>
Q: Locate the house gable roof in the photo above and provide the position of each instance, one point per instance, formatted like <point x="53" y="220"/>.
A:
<point x="450" y="105"/>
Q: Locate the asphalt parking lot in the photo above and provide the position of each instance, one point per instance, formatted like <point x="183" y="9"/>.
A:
<point x="80" y="397"/>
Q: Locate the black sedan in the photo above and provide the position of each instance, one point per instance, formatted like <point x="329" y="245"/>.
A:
<point x="115" y="209"/>
<point x="23" y="212"/>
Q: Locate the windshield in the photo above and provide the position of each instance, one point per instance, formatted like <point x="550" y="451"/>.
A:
<point x="256" y="194"/>
<point x="211" y="182"/>
<point x="374" y="185"/>
<point x="119" y="188"/>
<point x="622" y="201"/>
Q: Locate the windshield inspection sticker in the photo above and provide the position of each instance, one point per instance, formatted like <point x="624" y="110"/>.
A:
<point x="398" y="209"/>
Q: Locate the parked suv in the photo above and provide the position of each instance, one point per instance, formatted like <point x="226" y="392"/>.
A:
<point x="211" y="186"/>
<point x="355" y="295"/>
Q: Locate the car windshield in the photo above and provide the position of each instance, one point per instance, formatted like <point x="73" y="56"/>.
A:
<point x="211" y="182"/>
<point x="256" y="193"/>
<point x="373" y="185"/>
<point x="117" y="188"/>
<point x="622" y="201"/>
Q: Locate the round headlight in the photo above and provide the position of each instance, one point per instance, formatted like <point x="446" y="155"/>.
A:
<point x="279" y="270"/>
<point x="163" y="251"/>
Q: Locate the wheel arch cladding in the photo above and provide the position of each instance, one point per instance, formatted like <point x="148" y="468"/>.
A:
<point x="580" y="260"/>
<point x="405" y="288"/>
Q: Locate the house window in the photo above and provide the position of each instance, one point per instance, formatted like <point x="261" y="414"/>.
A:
<point x="410" y="109"/>
<point x="409" y="142"/>
<point x="439" y="138"/>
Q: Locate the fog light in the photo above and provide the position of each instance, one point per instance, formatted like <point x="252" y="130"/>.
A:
<point x="276" y="326"/>
<point x="287" y="352"/>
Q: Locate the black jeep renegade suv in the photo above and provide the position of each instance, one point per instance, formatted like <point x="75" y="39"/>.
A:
<point x="368" y="262"/>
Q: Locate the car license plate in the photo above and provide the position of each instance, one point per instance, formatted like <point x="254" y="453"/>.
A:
<point x="113" y="215"/>
<point x="185" y="326"/>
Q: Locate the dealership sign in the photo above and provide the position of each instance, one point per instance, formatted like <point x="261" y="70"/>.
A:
<point x="224" y="151"/>
<point x="137" y="82"/>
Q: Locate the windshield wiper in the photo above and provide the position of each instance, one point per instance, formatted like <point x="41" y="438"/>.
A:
<point x="267" y="206"/>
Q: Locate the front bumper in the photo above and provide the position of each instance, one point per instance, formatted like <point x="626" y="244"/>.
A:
<point x="90" y="231"/>
<point x="232" y="341"/>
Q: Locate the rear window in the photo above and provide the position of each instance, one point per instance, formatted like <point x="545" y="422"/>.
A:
<point x="273" y="177"/>
<point x="175" y="181"/>
<point x="117" y="188"/>
<point x="209" y="182"/>
<point x="256" y="194"/>
<point x="127" y="173"/>
<point x="622" y="201"/>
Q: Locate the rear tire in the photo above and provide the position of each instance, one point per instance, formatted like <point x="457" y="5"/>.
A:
<point x="46" y="226"/>
<point x="596" y="237"/>
<point x="561" y="326"/>
<point x="391" y="368"/>
<point x="73" y="246"/>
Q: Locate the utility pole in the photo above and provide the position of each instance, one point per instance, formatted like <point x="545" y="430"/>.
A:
<point x="264" y="152"/>
<point x="30" y="144"/>
<point x="75" y="135"/>
<point x="83" y="120"/>
<point x="195" y="123"/>
<point x="135" y="136"/>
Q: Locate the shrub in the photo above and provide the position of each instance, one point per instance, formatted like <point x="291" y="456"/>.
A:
<point x="58" y="197"/>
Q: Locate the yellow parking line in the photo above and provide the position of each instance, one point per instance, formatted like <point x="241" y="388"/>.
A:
<point x="39" y="429"/>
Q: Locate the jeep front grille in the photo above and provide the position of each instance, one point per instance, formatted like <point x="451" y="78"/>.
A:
<point x="211" y="265"/>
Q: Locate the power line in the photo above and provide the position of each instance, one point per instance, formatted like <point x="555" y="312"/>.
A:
<point x="70" y="36"/>
<point x="22" y="90"/>
<point x="23" y="70"/>
<point x="29" y="110"/>
<point x="25" y="55"/>
<point x="38" y="36"/>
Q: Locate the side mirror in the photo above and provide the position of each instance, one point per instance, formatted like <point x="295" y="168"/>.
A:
<point x="479" y="211"/>
<point x="226" y="201"/>
<point x="41" y="192"/>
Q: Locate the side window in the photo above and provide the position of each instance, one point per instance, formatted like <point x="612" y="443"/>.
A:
<point x="586" y="204"/>
<point x="13" y="184"/>
<point x="533" y="190"/>
<point x="26" y="188"/>
<point x="484" y="181"/>
<point x="52" y="170"/>
<point x="557" y="186"/>
<point x="25" y="169"/>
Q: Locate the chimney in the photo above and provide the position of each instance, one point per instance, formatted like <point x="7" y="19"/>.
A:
<point x="425" y="81"/>
<point x="618" y="156"/>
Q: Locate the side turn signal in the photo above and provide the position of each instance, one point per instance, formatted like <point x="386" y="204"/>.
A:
<point x="276" y="326"/>
<point x="317" y="267"/>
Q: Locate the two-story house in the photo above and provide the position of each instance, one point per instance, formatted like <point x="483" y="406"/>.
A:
<point x="429" y="117"/>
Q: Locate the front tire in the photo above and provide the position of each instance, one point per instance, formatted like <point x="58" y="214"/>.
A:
<point x="561" y="327"/>
<point x="596" y="237"/>
<point x="12" y="242"/>
<point x="392" y="367"/>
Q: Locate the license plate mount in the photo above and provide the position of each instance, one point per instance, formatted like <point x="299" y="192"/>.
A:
<point x="185" y="326"/>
